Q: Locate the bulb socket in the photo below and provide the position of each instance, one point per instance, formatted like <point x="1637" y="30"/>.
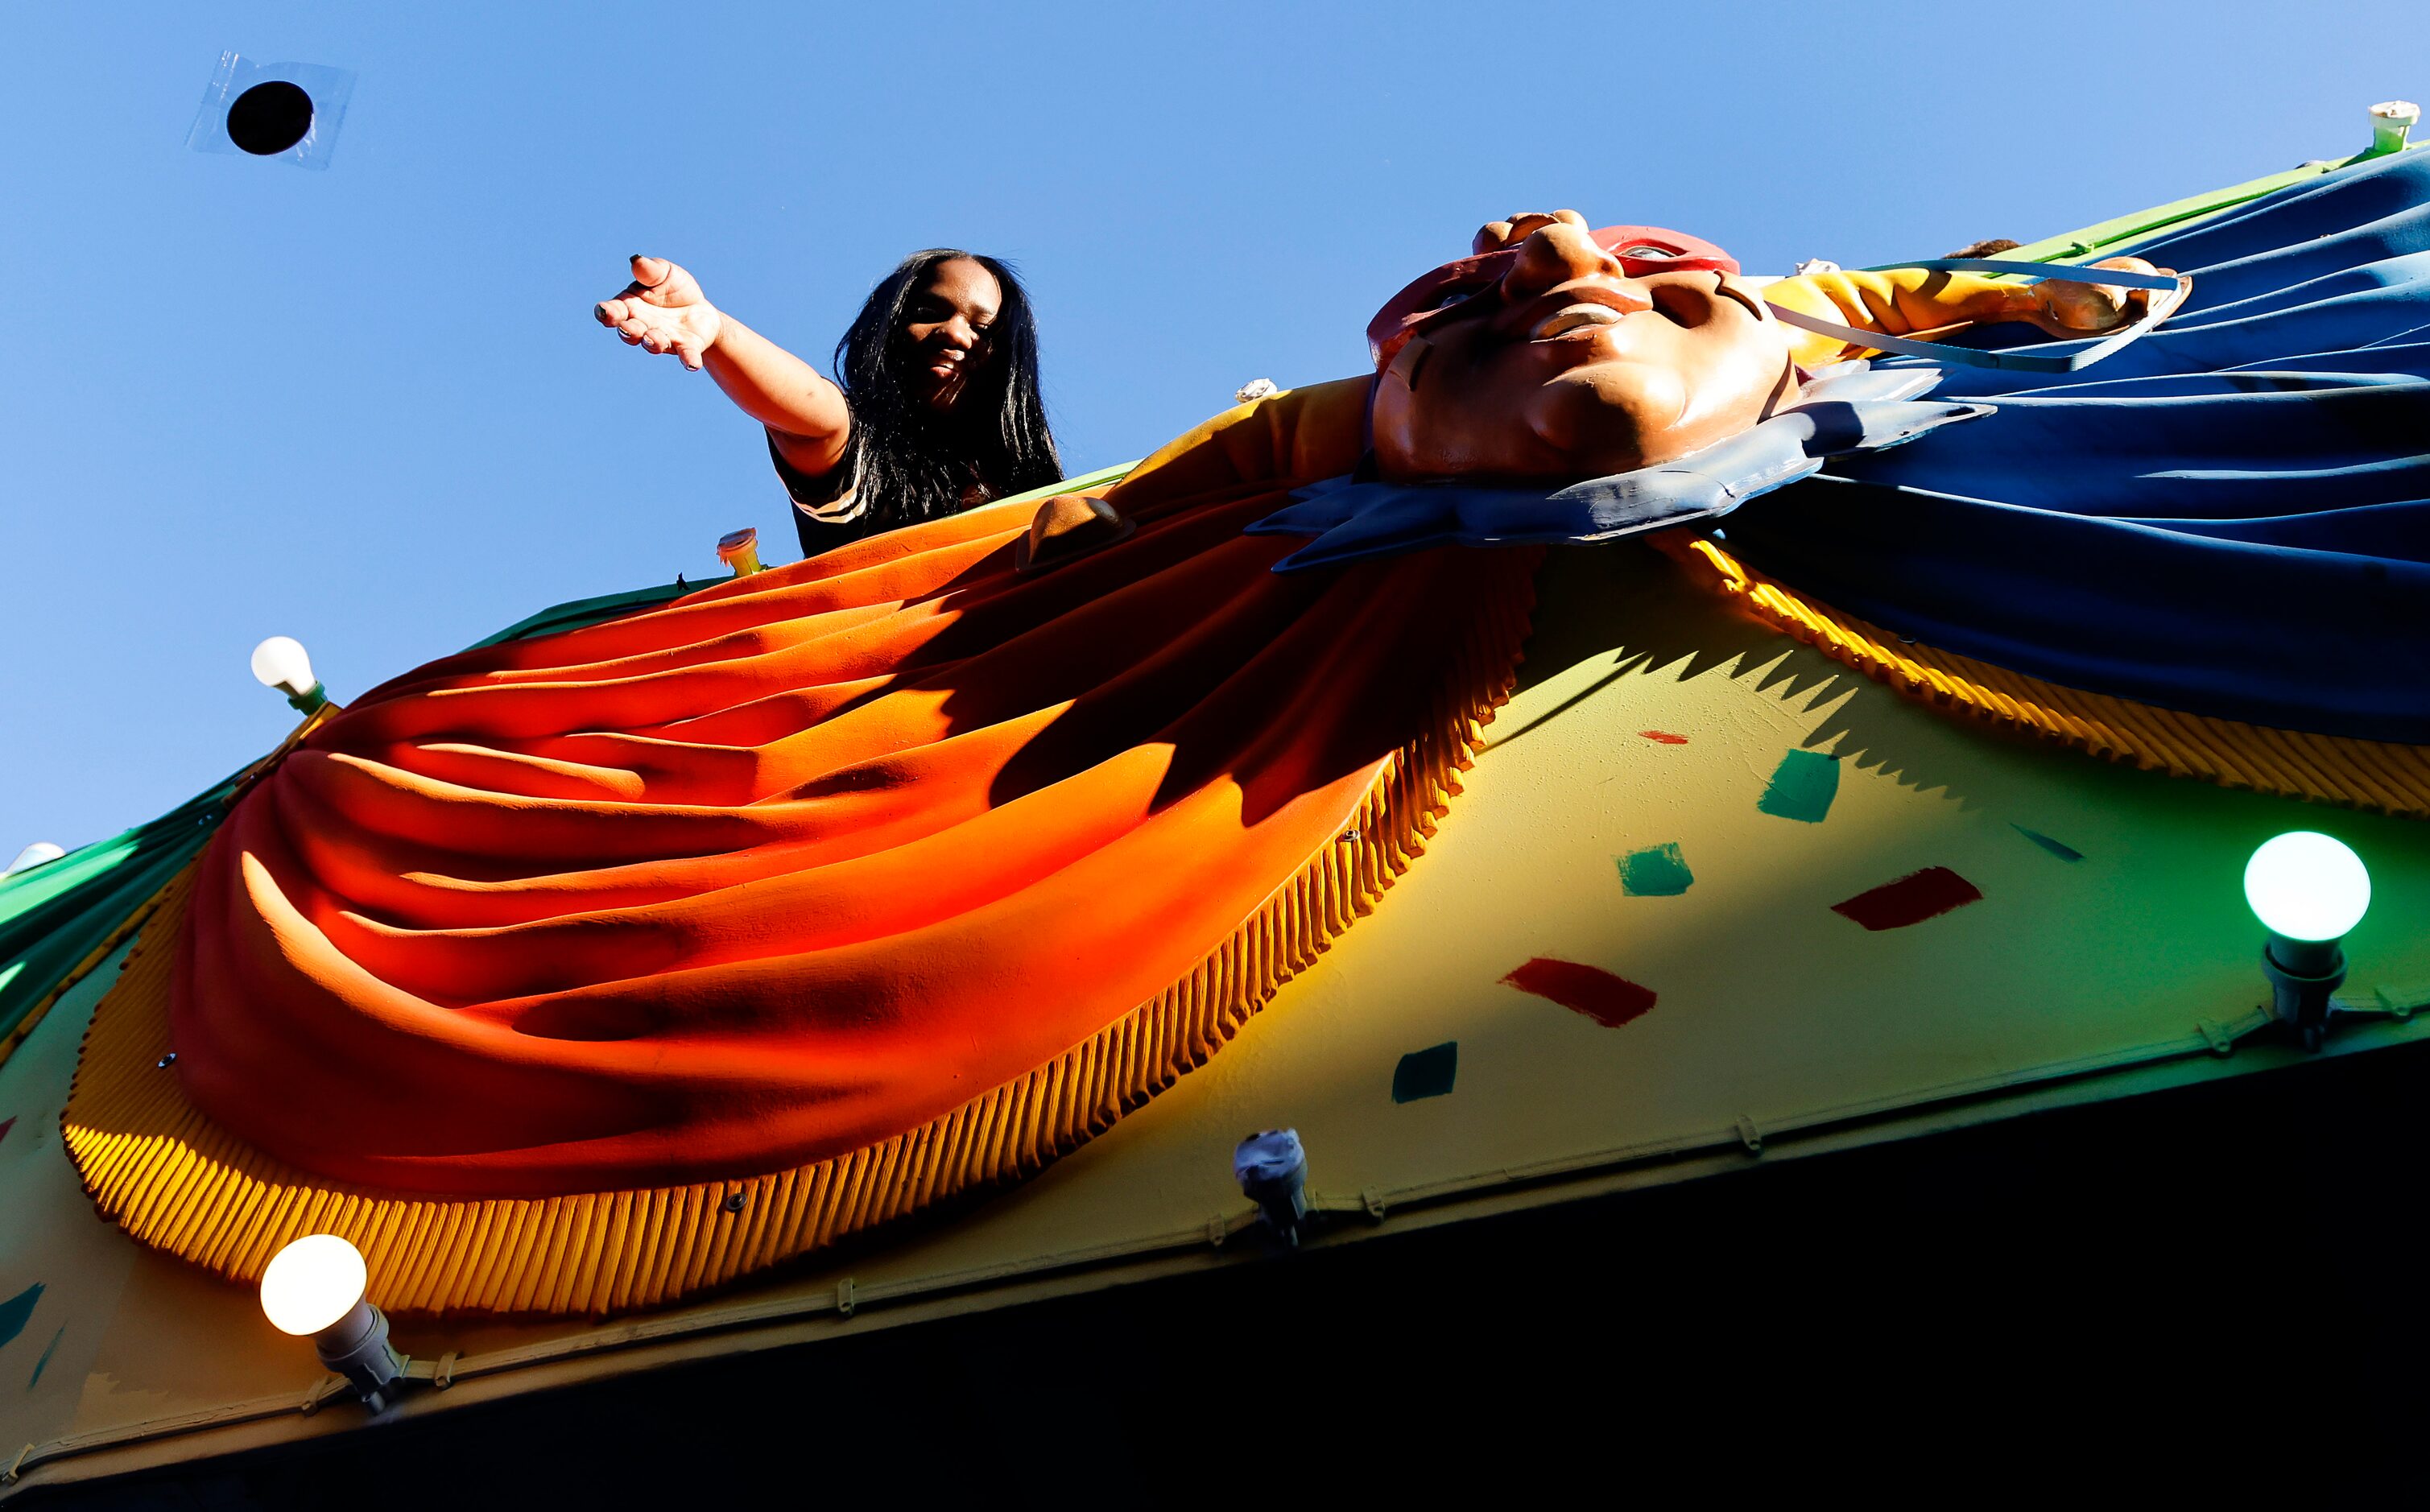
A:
<point x="357" y="1347"/>
<point x="2302" y="973"/>
<point x="1271" y="1169"/>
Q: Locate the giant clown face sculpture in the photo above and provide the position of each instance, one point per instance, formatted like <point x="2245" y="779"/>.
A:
<point x="1562" y="353"/>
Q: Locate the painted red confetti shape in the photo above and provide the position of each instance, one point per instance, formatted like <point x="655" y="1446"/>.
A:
<point x="1664" y="737"/>
<point x="1910" y="900"/>
<point x="1609" y="1000"/>
<point x="6" y="1125"/>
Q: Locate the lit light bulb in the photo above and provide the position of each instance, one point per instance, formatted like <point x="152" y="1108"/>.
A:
<point x="313" y="1284"/>
<point x="2307" y="886"/>
<point x="280" y="663"/>
<point x="32" y="857"/>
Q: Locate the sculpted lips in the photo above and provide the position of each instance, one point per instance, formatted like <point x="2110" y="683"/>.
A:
<point x="1584" y="307"/>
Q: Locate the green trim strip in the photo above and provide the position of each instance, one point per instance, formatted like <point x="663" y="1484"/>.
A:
<point x="2094" y="241"/>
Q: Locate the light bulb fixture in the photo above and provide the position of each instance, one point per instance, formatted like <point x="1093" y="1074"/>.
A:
<point x="739" y="549"/>
<point x="1271" y="1169"/>
<point x="2391" y="121"/>
<point x="281" y="662"/>
<point x="2308" y="889"/>
<point x="32" y="857"/>
<point x="314" y="1289"/>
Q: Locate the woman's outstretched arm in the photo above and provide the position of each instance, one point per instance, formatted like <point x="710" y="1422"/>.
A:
<point x="664" y="310"/>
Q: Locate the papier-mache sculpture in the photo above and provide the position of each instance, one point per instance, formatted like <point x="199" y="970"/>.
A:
<point x="580" y="972"/>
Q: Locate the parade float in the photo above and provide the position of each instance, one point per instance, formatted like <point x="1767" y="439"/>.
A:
<point x="1662" y="722"/>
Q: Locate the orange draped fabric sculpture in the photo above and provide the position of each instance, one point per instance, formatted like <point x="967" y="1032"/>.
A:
<point x="810" y="859"/>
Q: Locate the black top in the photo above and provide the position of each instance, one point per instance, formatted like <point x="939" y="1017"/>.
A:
<point x="810" y="492"/>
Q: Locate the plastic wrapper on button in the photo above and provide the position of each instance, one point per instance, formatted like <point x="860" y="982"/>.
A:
<point x="286" y="111"/>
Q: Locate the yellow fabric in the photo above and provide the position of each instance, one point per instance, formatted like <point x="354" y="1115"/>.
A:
<point x="1900" y="302"/>
<point x="2374" y="775"/>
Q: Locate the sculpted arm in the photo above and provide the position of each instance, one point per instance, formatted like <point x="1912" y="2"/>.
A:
<point x="1906" y="301"/>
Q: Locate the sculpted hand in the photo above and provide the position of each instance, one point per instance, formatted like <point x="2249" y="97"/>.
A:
<point x="662" y="310"/>
<point x="1495" y="234"/>
<point x="2070" y="308"/>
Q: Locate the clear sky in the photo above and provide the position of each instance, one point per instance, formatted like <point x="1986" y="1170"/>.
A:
<point x="368" y="407"/>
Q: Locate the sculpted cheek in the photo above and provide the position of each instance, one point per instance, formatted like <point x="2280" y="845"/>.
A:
<point x="1609" y="417"/>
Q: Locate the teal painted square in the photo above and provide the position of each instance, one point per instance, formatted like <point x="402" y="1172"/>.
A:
<point x="20" y="1307"/>
<point x="1426" y="1073"/>
<point x="1655" y="872"/>
<point x="1802" y="786"/>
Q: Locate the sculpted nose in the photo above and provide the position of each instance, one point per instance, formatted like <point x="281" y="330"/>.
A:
<point x="1553" y="257"/>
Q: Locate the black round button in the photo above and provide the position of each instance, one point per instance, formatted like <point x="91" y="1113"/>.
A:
<point x="270" y="118"/>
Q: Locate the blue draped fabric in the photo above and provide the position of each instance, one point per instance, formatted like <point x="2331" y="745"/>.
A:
<point x="2231" y="517"/>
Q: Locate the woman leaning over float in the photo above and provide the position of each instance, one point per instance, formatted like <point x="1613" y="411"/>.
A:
<point x="936" y="408"/>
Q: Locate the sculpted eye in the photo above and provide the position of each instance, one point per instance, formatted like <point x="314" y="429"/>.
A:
<point x="1646" y="253"/>
<point x="1454" y="294"/>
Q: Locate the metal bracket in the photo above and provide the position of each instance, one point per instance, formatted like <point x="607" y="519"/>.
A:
<point x="15" y="1465"/>
<point x="844" y="1297"/>
<point x="2219" y="1036"/>
<point x="1219" y="1228"/>
<point x="1749" y="1135"/>
<point x="1372" y="1198"/>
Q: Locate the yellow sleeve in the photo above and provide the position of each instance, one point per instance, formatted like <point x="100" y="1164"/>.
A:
<point x="1898" y="303"/>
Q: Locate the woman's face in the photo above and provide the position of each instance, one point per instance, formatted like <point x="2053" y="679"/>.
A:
<point x="945" y="328"/>
<point x="1565" y="367"/>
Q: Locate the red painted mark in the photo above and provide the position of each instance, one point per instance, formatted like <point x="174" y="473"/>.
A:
<point x="1910" y="900"/>
<point x="1609" y="1000"/>
<point x="7" y="1123"/>
<point x="1664" y="737"/>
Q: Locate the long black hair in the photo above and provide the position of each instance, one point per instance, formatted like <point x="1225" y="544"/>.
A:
<point x="912" y="463"/>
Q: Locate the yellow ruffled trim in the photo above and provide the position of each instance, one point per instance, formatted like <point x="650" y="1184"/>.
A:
<point x="2377" y="774"/>
<point x="172" y="1178"/>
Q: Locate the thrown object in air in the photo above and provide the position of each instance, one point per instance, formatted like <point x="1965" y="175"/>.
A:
<point x="286" y="111"/>
<point x="1271" y="1169"/>
<point x="1256" y="389"/>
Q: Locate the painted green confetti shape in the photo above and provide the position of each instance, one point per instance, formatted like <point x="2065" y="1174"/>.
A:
<point x="1802" y="786"/>
<point x="1429" y="1072"/>
<point x="1655" y="872"/>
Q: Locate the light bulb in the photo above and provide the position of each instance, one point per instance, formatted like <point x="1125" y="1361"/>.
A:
<point x="281" y="662"/>
<point x="2307" y="886"/>
<point x="312" y="1283"/>
<point x="32" y="857"/>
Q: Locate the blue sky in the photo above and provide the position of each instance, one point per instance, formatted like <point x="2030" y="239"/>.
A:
<point x="367" y="407"/>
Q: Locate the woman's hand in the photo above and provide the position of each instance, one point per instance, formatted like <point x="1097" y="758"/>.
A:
<point x="2070" y="308"/>
<point x="662" y="310"/>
